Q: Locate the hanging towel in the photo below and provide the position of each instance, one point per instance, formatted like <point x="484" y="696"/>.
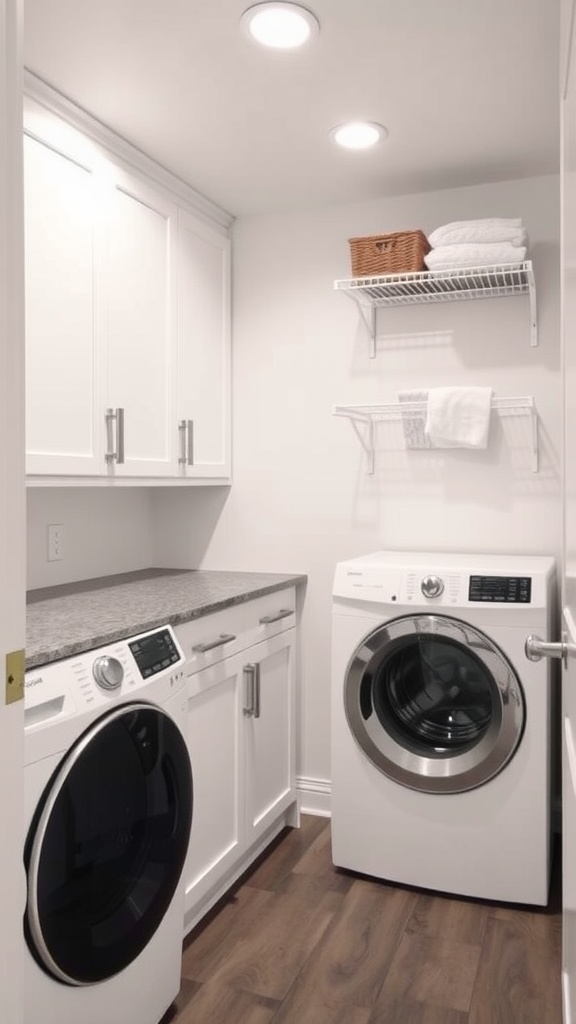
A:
<point x="448" y="257"/>
<point x="414" y="420"/>
<point x="458" y="417"/>
<point x="488" y="230"/>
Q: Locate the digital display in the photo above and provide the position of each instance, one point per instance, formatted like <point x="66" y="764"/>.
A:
<point x="500" y="589"/>
<point x="154" y="653"/>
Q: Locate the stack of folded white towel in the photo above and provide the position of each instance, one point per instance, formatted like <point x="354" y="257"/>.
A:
<point x="477" y="243"/>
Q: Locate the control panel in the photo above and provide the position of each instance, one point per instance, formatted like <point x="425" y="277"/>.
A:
<point x="501" y="589"/>
<point x="149" y="666"/>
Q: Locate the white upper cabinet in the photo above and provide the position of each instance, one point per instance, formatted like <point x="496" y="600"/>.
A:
<point x="203" y="349"/>
<point x="61" y="242"/>
<point x="127" y="318"/>
<point x="138" y="327"/>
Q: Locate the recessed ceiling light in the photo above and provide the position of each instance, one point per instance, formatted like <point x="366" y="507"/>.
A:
<point x="358" y="134"/>
<point x="282" y="26"/>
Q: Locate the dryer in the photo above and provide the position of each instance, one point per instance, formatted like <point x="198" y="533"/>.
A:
<point x="441" y="724"/>
<point x="108" y="799"/>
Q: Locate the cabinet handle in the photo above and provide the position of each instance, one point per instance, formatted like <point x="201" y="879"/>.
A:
<point x="257" y="690"/>
<point x="224" y="638"/>
<point x="249" y="672"/>
<point x="182" y="433"/>
<point x="112" y="454"/>
<point x="190" y="432"/>
<point x="186" y="431"/>
<point x="282" y="614"/>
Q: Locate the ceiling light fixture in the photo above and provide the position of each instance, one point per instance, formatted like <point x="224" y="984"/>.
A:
<point x="283" y="26"/>
<point x="358" y="134"/>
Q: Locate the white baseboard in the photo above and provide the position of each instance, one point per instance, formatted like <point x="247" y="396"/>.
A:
<point x="314" y="796"/>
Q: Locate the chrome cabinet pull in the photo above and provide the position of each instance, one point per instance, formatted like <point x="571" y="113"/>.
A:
<point x="257" y="690"/>
<point x="282" y="614"/>
<point x="190" y="432"/>
<point x="224" y="638"/>
<point x="115" y="453"/>
<point x="182" y="436"/>
<point x="186" y="432"/>
<point x="249" y="672"/>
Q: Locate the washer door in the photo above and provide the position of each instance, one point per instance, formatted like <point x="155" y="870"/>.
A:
<point x="105" y="851"/>
<point x="434" y="704"/>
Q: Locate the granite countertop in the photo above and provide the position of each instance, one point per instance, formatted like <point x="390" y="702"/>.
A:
<point x="66" y="620"/>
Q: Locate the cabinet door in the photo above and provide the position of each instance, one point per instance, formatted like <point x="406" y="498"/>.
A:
<point x="138" y="326"/>
<point x="203" y="350"/>
<point x="270" y="738"/>
<point x="215" y="742"/>
<point x="63" y="427"/>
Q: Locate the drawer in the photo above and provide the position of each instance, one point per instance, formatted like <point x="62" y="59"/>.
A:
<point x="209" y="639"/>
<point x="266" y="616"/>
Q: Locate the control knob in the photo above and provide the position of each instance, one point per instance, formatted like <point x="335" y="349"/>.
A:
<point x="108" y="672"/>
<point x="432" y="586"/>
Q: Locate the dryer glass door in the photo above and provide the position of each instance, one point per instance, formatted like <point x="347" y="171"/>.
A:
<point x="106" y="849"/>
<point x="434" y="703"/>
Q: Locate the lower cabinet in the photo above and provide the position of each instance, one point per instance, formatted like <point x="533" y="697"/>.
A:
<point x="241" y="721"/>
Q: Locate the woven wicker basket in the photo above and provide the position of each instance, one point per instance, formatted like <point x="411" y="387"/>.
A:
<point x="398" y="253"/>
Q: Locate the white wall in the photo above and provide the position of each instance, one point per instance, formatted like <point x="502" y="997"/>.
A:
<point x="301" y="499"/>
<point x="104" y="531"/>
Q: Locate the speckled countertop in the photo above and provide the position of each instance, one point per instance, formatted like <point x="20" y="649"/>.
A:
<point x="66" y="620"/>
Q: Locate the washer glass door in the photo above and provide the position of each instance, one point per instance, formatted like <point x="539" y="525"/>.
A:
<point x="434" y="703"/>
<point x="106" y="848"/>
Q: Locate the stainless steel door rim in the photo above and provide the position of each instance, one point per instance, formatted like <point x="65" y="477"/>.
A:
<point x="434" y="703"/>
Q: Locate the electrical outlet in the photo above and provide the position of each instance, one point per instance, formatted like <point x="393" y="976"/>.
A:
<point x="55" y="539"/>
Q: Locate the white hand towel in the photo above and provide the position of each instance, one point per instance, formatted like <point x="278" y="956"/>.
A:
<point x="458" y="417"/>
<point x="478" y="231"/>
<point x="446" y="257"/>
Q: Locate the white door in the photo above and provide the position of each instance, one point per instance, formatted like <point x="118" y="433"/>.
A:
<point x="137" y="311"/>
<point x="63" y="433"/>
<point x="568" y="173"/>
<point x="215" y="747"/>
<point x="203" y="349"/>
<point x="270" y="746"/>
<point x="12" y="509"/>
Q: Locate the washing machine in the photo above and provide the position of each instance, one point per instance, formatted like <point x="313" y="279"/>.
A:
<point x="441" y="723"/>
<point x="108" y="799"/>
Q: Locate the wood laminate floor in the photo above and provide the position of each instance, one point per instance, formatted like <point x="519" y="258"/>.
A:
<point x="298" y="941"/>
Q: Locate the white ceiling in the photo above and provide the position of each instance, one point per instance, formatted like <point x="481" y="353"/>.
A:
<point x="467" y="89"/>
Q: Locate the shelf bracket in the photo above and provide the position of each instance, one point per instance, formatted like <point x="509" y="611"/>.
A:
<point x="368" y="314"/>
<point x="366" y="440"/>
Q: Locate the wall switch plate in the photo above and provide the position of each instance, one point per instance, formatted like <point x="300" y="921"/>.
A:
<point x="55" y="539"/>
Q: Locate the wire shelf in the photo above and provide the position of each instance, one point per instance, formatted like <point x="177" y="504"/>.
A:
<point x="365" y="417"/>
<point x="371" y="293"/>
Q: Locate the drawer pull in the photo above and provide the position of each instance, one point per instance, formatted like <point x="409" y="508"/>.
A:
<point x="224" y="638"/>
<point x="282" y="614"/>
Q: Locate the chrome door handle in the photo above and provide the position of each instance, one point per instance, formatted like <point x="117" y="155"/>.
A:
<point x="224" y="638"/>
<point x="535" y="649"/>
<point x="186" y="431"/>
<point x="282" y="614"/>
<point x="115" y="453"/>
<point x="182" y="433"/>
<point x="252" y="677"/>
<point x="257" y="690"/>
<point x="249" y="672"/>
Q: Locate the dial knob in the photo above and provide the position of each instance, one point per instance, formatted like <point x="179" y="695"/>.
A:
<point x="108" y="672"/>
<point x="432" y="586"/>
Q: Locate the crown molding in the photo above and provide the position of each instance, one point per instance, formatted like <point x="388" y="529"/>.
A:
<point x="56" y="102"/>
